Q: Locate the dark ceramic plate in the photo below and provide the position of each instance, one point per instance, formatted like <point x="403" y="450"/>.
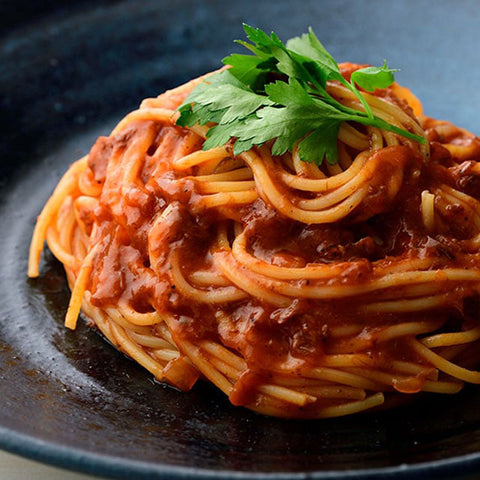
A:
<point x="68" y="71"/>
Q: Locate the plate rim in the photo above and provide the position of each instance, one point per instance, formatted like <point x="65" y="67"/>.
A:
<point x="89" y="462"/>
<point x="103" y="465"/>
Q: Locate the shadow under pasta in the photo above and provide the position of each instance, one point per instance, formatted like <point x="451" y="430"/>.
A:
<point x="84" y="415"/>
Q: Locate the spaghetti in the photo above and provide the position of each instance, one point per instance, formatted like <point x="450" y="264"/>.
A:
<point x="298" y="290"/>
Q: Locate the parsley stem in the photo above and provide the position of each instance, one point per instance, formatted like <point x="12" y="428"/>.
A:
<point x="339" y="106"/>
<point x="382" y="124"/>
<point x="351" y="86"/>
<point x="280" y="93"/>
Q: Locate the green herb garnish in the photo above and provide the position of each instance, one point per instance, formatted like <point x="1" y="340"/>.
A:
<point x="280" y="93"/>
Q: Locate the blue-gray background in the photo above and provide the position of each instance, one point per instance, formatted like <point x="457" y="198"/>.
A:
<point x="91" y="59"/>
<point x="68" y="70"/>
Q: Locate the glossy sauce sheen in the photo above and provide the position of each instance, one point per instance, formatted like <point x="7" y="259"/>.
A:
<point x="134" y="266"/>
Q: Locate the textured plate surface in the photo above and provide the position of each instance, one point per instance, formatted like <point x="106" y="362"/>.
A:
<point x="68" y="71"/>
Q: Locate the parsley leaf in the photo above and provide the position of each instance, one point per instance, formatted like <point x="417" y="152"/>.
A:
<point x="232" y="101"/>
<point x="279" y="93"/>
<point x="371" y="78"/>
<point x="250" y="70"/>
<point x="317" y="58"/>
<point x="293" y="114"/>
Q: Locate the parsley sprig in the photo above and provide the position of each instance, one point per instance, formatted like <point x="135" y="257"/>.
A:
<point x="280" y="92"/>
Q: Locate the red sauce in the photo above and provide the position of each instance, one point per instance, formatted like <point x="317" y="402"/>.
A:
<point x="388" y="226"/>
